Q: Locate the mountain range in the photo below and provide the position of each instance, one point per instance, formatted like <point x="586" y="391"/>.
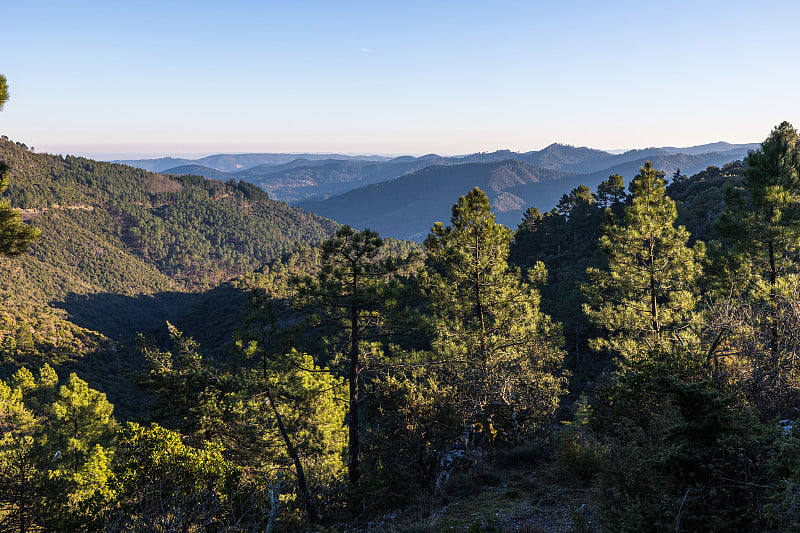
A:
<point x="296" y="178"/>
<point x="235" y="162"/>
<point x="407" y="206"/>
<point x="403" y="196"/>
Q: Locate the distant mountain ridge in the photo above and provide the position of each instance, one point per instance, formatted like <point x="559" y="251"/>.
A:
<point x="350" y="189"/>
<point x="197" y="170"/>
<point x="407" y="206"/>
<point x="302" y="179"/>
<point x="235" y="162"/>
<point x="296" y="178"/>
<point x="720" y="146"/>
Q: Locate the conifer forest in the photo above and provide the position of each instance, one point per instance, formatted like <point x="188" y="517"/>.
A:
<point x="187" y="354"/>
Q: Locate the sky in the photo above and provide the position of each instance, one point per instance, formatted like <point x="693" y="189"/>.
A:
<point x="193" y="78"/>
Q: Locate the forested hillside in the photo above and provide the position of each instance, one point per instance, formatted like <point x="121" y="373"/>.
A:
<point x="122" y="250"/>
<point x="196" y="230"/>
<point x="406" y="207"/>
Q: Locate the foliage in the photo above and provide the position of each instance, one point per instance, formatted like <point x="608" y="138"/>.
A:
<point x="680" y="455"/>
<point x="646" y="298"/>
<point x="579" y="452"/>
<point x="501" y="352"/>
<point x="783" y="508"/>
<point x="54" y="450"/>
<point x="165" y="485"/>
<point x="227" y="403"/>
<point x="411" y="418"/>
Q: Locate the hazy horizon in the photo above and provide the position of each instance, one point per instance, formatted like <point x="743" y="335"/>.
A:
<point x="101" y="155"/>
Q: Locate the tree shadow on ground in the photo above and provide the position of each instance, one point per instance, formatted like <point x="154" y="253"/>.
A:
<point x="210" y="317"/>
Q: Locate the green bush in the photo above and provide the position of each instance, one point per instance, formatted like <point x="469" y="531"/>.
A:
<point x="681" y="455"/>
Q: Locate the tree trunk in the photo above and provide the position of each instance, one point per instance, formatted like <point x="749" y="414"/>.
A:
<point x="773" y="303"/>
<point x="301" y="477"/>
<point x="479" y="304"/>
<point x="353" y="467"/>
<point x="654" y="306"/>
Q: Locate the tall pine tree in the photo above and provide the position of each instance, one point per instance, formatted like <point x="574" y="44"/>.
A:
<point x="501" y="350"/>
<point x="347" y="301"/>
<point x="762" y="220"/>
<point x="645" y="298"/>
<point x="760" y="226"/>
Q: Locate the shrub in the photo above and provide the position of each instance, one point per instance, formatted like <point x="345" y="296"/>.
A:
<point x="680" y="455"/>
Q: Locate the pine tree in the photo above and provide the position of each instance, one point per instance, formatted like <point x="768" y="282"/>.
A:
<point x="524" y="247"/>
<point x="760" y="226"/>
<point x="347" y="300"/>
<point x="501" y="350"/>
<point x="677" y="177"/>
<point x="577" y="196"/>
<point x="21" y="475"/>
<point x="611" y="191"/>
<point x="76" y="438"/>
<point x="82" y="419"/>
<point x="645" y="299"/>
<point x="762" y="222"/>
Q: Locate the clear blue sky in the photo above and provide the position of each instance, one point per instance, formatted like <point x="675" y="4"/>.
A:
<point x="395" y="77"/>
